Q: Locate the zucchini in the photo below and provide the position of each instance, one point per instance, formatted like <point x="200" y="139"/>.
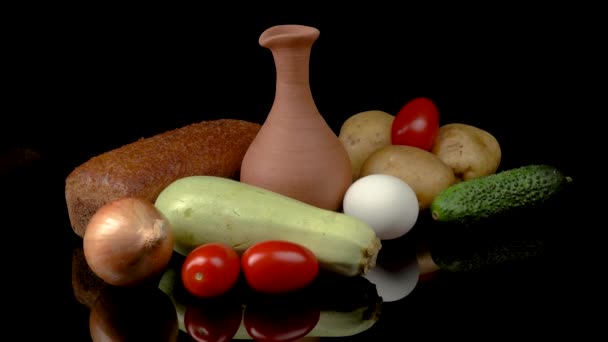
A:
<point x="204" y="209"/>
<point x="489" y="196"/>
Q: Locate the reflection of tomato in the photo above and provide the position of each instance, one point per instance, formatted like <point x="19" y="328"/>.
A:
<point x="207" y="322"/>
<point x="211" y="270"/>
<point x="273" y="322"/>
<point x="277" y="266"/>
<point x="416" y="124"/>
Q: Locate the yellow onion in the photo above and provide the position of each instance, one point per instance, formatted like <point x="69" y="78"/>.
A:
<point x="127" y="242"/>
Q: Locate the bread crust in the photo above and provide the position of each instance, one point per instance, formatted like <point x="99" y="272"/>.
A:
<point x="145" y="167"/>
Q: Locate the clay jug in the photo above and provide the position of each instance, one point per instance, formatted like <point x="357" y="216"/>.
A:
<point x="296" y="153"/>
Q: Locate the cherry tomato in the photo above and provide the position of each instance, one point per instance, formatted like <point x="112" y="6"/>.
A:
<point x="274" y="322"/>
<point x="211" y="270"/>
<point x="213" y="322"/>
<point x="277" y="266"/>
<point x="416" y="124"/>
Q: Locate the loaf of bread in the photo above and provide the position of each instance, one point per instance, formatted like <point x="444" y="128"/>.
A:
<point x="145" y="167"/>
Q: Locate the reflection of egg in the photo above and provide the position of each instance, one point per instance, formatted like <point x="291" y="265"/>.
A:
<point x="395" y="283"/>
<point x="385" y="202"/>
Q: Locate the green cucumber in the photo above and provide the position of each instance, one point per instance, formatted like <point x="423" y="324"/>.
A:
<point x="486" y="197"/>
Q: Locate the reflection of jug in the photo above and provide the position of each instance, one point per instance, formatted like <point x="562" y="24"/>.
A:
<point x="295" y="152"/>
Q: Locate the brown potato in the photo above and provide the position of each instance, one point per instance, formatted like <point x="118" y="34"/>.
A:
<point x="470" y="151"/>
<point x="423" y="171"/>
<point x="364" y="133"/>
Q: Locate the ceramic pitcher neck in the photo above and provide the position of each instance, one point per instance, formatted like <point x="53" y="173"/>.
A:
<point x="291" y="47"/>
<point x="293" y="95"/>
<point x="292" y="65"/>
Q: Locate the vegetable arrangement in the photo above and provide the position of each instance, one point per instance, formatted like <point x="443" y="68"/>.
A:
<point x="404" y="166"/>
<point x="278" y="234"/>
<point x="452" y="170"/>
<point x="426" y="157"/>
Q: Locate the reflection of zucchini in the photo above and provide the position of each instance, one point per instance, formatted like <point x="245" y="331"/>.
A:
<point x="348" y="305"/>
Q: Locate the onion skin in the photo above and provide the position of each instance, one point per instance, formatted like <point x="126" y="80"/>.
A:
<point x="128" y="242"/>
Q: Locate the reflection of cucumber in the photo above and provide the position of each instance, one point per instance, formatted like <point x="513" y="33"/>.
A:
<point x="489" y="196"/>
<point x="476" y="253"/>
<point x="348" y="305"/>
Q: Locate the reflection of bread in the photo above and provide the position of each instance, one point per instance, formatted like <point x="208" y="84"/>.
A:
<point x="145" y="167"/>
<point x="85" y="284"/>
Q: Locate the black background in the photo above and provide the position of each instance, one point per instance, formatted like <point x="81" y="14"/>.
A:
<point x="81" y="81"/>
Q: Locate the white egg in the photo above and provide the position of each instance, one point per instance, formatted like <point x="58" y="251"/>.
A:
<point x="386" y="203"/>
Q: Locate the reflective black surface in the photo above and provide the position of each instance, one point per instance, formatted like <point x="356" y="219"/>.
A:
<point x="86" y="84"/>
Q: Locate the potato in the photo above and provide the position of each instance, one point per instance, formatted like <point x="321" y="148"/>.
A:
<point x="470" y="151"/>
<point x="364" y="133"/>
<point x="423" y="171"/>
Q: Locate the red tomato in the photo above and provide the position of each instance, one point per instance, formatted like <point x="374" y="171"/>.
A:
<point x="416" y="124"/>
<point x="206" y="322"/>
<point x="211" y="270"/>
<point x="266" y="322"/>
<point x="277" y="266"/>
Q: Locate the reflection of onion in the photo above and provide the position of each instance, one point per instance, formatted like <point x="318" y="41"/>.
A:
<point x="128" y="241"/>
<point x="133" y="314"/>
